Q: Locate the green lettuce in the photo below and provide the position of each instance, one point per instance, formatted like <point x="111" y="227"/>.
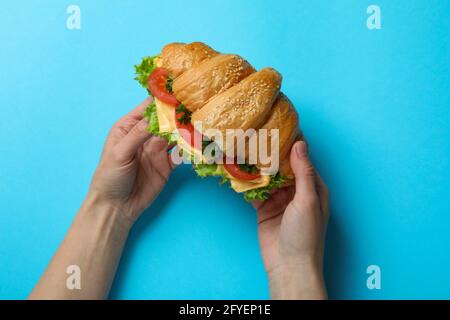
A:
<point x="153" y="124"/>
<point x="211" y="170"/>
<point x="144" y="70"/>
<point x="208" y="170"/>
<point x="276" y="181"/>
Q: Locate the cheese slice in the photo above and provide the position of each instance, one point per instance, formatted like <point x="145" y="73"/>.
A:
<point x="166" y="120"/>
<point x="166" y="116"/>
<point x="239" y="185"/>
<point x="244" y="185"/>
<point x="158" y="61"/>
<point x="165" y="112"/>
<point x="186" y="147"/>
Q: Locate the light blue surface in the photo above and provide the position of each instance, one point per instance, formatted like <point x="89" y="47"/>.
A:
<point x="373" y="104"/>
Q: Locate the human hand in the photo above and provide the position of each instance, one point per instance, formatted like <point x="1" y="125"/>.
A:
<point x="291" y="231"/>
<point x="134" y="166"/>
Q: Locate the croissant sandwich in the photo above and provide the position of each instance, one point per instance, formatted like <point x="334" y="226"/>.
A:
<point x="230" y="120"/>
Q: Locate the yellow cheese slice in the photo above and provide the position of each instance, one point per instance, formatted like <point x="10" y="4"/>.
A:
<point x="183" y="145"/>
<point x="245" y="185"/>
<point x="158" y="61"/>
<point x="166" y="116"/>
<point x="166" y="119"/>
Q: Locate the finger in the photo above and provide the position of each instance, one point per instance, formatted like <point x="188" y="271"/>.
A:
<point x="138" y="135"/>
<point x="121" y="128"/>
<point x="323" y="192"/>
<point x="257" y="204"/>
<point x="128" y="121"/>
<point x="138" y="112"/>
<point x="171" y="146"/>
<point x="172" y="162"/>
<point x="280" y="197"/>
<point x="159" y="147"/>
<point x="276" y="204"/>
<point x="157" y="144"/>
<point x="305" y="185"/>
<point x="173" y="154"/>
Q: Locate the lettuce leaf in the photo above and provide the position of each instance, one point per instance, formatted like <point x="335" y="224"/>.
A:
<point x="153" y="124"/>
<point x="207" y="170"/>
<point x="152" y="118"/>
<point x="144" y="70"/>
<point x="276" y="181"/>
<point x="210" y="170"/>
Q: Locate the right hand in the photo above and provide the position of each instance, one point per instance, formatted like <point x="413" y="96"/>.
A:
<point x="291" y="230"/>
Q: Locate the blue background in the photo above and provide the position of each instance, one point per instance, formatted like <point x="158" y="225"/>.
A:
<point x="374" y="105"/>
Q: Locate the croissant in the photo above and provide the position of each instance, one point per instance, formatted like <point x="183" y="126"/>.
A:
<point x="194" y="84"/>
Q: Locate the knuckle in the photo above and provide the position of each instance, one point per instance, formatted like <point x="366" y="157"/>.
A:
<point x="118" y="128"/>
<point x="308" y="170"/>
<point x="116" y="155"/>
<point x="139" y="129"/>
<point x="307" y="202"/>
<point x="311" y="203"/>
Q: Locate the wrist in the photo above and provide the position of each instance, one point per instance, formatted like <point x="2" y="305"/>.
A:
<point x="105" y="211"/>
<point x="297" y="281"/>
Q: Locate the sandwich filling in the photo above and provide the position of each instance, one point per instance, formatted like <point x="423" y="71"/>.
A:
<point x="166" y="116"/>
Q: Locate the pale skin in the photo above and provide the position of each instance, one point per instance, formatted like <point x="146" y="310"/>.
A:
<point x="133" y="169"/>
<point x="291" y="231"/>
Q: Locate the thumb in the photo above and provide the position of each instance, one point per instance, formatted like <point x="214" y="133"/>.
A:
<point x="305" y="186"/>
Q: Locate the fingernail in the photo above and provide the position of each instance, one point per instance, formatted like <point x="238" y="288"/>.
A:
<point x="300" y="149"/>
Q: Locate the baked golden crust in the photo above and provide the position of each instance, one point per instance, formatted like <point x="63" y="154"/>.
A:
<point x="283" y="117"/>
<point x="285" y="163"/>
<point x="285" y="168"/>
<point x="243" y="106"/>
<point x="179" y="57"/>
<point x="225" y="92"/>
<point x="213" y="76"/>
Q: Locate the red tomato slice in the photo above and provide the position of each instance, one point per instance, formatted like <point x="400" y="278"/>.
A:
<point x="157" y="85"/>
<point x="189" y="134"/>
<point x="235" y="170"/>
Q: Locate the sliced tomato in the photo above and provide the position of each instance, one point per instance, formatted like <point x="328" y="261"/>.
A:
<point x="189" y="134"/>
<point x="235" y="170"/>
<point x="157" y="85"/>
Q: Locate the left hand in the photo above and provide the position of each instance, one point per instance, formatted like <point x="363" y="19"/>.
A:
<point x="134" y="165"/>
